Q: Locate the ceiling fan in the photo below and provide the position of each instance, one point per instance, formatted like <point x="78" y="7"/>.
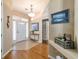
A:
<point x="31" y="13"/>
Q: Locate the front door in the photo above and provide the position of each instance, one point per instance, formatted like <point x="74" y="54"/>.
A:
<point x="20" y="31"/>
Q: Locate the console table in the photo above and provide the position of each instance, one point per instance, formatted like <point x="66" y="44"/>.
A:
<point x="35" y="37"/>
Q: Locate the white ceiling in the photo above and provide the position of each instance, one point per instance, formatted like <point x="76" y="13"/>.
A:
<point x="38" y="6"/>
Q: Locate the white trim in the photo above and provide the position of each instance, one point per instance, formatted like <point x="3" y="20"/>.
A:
<point x="6" y="52"/>
<point x="51" y="57"/>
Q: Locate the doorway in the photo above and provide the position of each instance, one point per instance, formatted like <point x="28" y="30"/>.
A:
<point x="45" y="31"/>
<point x="20" y="31"/>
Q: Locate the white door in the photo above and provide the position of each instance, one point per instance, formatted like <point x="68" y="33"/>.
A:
<point x="20" y="31"/>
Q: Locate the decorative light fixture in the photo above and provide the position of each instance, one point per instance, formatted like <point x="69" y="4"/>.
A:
<point x="31" y="14"/>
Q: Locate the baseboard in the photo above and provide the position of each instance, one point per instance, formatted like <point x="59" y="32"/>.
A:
<point x="6" y="53"/>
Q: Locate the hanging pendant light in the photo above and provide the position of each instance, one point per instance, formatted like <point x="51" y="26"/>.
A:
<point x="31" y="14"/>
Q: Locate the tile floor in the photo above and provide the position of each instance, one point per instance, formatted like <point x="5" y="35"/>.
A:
<point x="25" y="45"/>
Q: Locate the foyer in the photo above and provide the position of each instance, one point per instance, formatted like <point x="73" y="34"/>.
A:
<point x="39" y="29"/>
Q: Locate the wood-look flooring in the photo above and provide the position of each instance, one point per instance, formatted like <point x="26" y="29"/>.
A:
<point x="39" y="51"/>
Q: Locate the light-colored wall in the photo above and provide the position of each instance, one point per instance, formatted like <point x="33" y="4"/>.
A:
<point x="76" y="23"/>
<point x="60" y="29"/>
<point x="6" y="32"/>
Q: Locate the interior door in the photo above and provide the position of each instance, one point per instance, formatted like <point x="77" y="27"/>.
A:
<point x="20" y="31"/>
<point x="45" y="30"/>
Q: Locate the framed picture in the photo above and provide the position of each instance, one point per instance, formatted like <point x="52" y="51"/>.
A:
<point x="60" y="17"/>
<point x="35" y="26"/>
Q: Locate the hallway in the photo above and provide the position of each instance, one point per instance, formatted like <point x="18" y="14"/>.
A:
<point x="39" y="29"/>
<point x="35" y="51"/>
